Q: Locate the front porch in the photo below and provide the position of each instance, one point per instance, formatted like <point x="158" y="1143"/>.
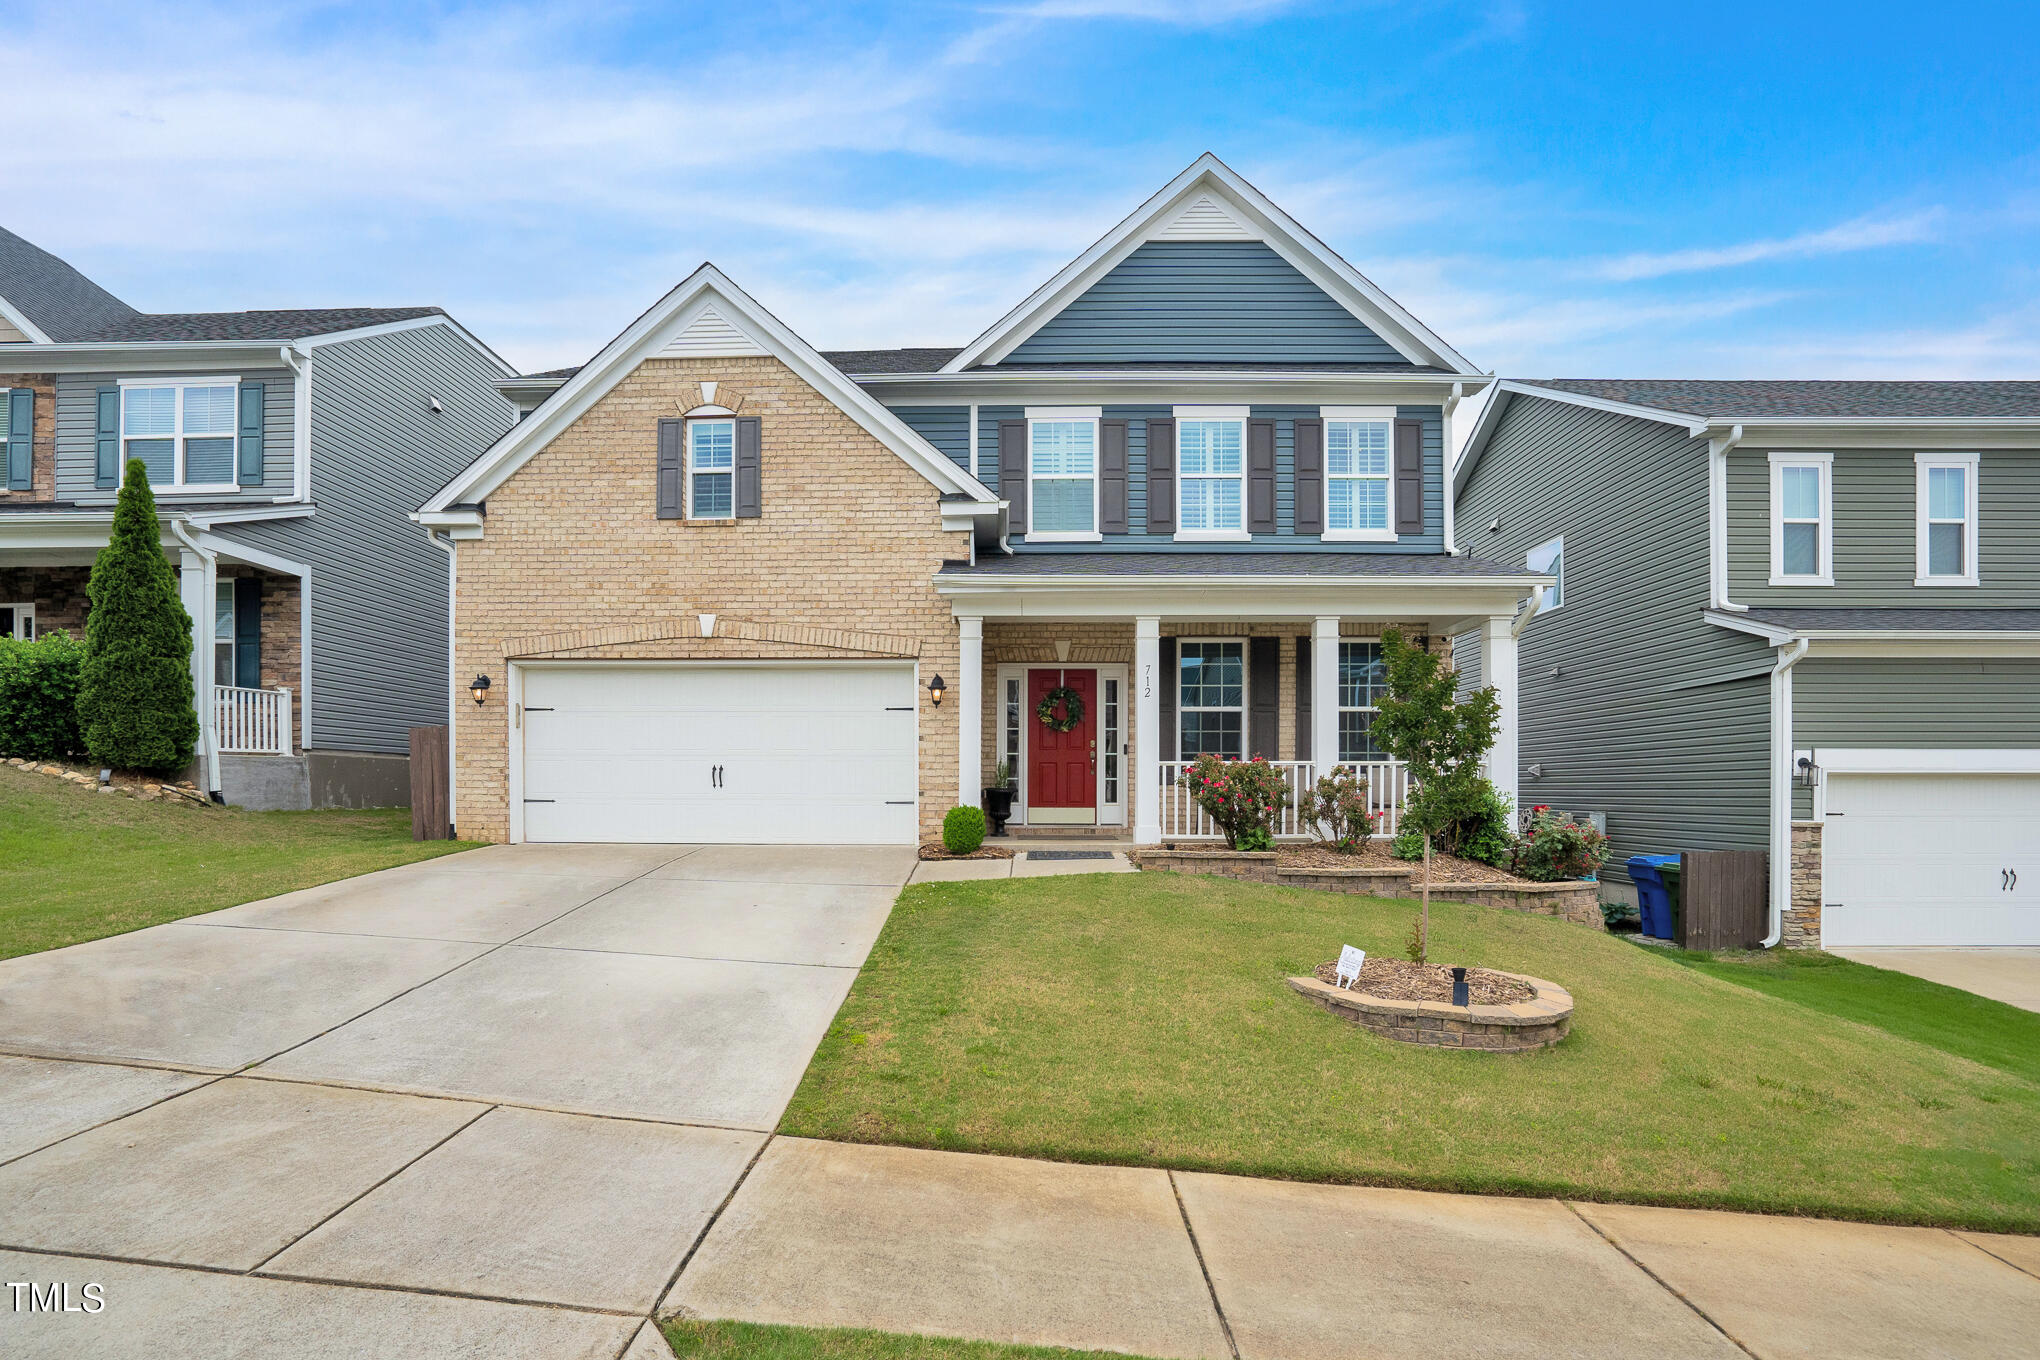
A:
<point x="1165" y="668"/>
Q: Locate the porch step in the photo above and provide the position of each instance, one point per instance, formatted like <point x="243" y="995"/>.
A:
<point x="1064" y="833"/>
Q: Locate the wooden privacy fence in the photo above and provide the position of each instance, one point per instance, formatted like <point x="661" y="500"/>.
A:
<point x="1723" y="898"/>
<point x="431" y="809"/>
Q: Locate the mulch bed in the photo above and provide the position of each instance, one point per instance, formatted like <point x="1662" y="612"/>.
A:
<point x="1445" y="869"/>
<point x="934" y="850"/>
<point x="1401" y="980"/>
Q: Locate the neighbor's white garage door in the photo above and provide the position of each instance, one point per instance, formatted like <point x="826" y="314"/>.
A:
<point x="1941" y="859"/>
<point x="820" y="752"/>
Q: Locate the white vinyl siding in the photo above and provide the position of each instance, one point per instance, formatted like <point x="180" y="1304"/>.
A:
<point x="1946" y="496"/>
<point x="1802" y="519"/>
<point x="183" y="432"/>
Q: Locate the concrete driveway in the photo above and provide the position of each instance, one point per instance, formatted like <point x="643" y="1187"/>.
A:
<point x="2008" y="975"/>
<point x="481" y="1105"/>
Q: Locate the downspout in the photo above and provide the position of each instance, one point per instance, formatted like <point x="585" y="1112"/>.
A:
<point x="1522" y="620"/>
<point x="1718" y="446"/>
<point x="301" y="423"/>
<point x="1789" y="655"/>
<point x="452" y="675"/>
<point x="208" y="739"/>
<point x="1445" y="435"/>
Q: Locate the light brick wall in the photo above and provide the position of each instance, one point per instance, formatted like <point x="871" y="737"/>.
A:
<point x="840" y="565"/>
<point x="43" y="442"/>
<point x="1802" y="917"/>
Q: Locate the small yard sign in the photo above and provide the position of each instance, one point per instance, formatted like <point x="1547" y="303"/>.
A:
<point x="1350" y="963"/>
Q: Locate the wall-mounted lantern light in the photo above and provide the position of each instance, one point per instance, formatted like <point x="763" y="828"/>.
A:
<point x="480" y="689"/>
<point x="1809" y="773"/>
<point x="935" y="691"/>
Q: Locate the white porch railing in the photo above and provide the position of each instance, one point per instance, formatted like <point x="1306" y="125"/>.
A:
<point x="252" y="721"/>
<point x="1388" y="785"/>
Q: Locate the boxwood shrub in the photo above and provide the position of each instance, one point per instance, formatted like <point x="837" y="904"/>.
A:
<point x="39" y="697"/>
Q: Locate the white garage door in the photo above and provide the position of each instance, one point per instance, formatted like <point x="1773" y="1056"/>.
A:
<point x="819" y="752"/>
<point x="1941" y="859"/>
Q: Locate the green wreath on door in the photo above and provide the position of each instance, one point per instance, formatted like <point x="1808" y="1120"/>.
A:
<point x="1071" y="703"/>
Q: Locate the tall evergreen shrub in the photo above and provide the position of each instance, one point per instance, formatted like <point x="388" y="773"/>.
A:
<point x="135" y="695"/>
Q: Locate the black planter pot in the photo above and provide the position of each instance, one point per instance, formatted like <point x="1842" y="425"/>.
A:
<point x="998" y="807"/>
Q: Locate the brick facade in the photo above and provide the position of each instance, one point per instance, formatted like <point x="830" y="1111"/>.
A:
<point x="1802" y="918"/>
<point x="43" y="445"/>
<point x="575" y="564"/>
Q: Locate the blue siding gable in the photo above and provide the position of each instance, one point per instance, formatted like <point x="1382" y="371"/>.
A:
<point x="946" y="427"/>
<point x="1204" y="302"/>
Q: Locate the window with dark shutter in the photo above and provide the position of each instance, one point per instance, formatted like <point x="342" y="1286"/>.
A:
<point x="247" y="633"/>
<point x="1013" y="473"/>
<point x="106" y="467"/>
<point x="671" y="485"/>
<point x="1161" y="476"/>
<point x="1264" y="696"/>
<point x="1112" y="477"/>
<point x="1409" y="476"/>
<point x="249" y="467"/>
<point x="1310" y="476"/>
<point x="1261" y="476"/>
<point x="750" y="468"/>
<point x="20" y="416"/>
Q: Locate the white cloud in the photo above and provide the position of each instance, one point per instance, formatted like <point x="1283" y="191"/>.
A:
<point x="1864" y="233"/>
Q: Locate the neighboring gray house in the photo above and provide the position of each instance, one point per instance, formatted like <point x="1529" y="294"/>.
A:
<point x="1802" y="616"/>
<point x="286" y="449"/>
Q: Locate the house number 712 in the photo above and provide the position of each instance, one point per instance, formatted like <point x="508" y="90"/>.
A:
<point x="1147" y="682"/>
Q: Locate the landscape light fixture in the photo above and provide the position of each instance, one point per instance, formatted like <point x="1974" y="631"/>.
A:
<point x="480" y="689"/>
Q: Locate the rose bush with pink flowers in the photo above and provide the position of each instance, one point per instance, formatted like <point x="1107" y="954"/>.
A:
<point x="1244" y="797"/>
<point x="1556" y="848"/>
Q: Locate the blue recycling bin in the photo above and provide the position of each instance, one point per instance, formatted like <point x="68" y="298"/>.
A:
<point x="1653" y="898"/>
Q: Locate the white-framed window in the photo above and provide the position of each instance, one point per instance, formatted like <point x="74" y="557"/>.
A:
<point x="223" y="632"/>
<point x="17" y="621"/>
<point x="1359" y="473"/>
<point x="183" y="431"/>
<point x="1549" y="558"/>
<point x="1945" y="519"/>
<point x="1802" y="519"/>
<point x="1363" y="679"/>
<point x="1211" y="473"/>
<point x="1062" y="474"/>
<point x="1109" y="723"/>
<point x="712" y="469"/>
<point x="1211" y="697"/>
<point x="1010" y="740"/>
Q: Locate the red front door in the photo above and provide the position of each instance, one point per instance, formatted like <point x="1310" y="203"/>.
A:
<point x="1062" y="767"/>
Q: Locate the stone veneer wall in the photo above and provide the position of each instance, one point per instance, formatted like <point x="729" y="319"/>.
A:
<point x="575" y="564"/>
<point x="1802" y="918"/>
<point x="42" y="444"/>
<point x="58" y="594"/>
<point x="1575" y="901"/>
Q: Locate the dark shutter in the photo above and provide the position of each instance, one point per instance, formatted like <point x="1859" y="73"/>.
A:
<point x="1169" y="684"/>
<point x="1261" y="476"/>
<point x="250" y="463"/>
<point x="1305" y="750"/>
<point x="672" y="494"/>
<point x="1310" y="476"/>
<point x="750" y="468"/>
<point x="1161" y="480"/>
<point x="1013" y="472"/>
<point x="1409" y="476"/>
<point x="21" y="439"/>
<point x="1264" y="696"/>
<point x="248" y="632"/>
<point x="1111" y="476"/>
<point x="106" y="444"/>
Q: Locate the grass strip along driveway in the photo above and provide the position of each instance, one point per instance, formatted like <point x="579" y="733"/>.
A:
<point x="1143" y="1020"/>
<point x="76" y="865"/>
<point x="693" y="1340"/>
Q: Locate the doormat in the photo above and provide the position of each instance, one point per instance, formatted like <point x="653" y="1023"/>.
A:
<point x="1069" y="854"/>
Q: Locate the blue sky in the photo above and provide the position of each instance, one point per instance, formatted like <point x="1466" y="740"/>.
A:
<point x="1560" y="189"/>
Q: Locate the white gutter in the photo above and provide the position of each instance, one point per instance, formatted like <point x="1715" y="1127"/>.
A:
<point x="452" y="675"/>
<point x="1718" y="446"/>
<point x="300" y="422"/>
<point x="1522" y="620"/>
<point x="202" y="651"/>
<point x="1789" y="655"/>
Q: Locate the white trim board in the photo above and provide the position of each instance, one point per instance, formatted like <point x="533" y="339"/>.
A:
<point x="1923" y="760"/>
<point x="1206" y="188"/>
<point x="707" y="287"/>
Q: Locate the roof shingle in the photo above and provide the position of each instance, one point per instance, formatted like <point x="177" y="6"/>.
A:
<point x="1761" y="399"/>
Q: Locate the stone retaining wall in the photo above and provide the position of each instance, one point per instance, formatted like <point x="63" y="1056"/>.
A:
<point x="1515" y="1028"/>
<point x="1578" y="902"/>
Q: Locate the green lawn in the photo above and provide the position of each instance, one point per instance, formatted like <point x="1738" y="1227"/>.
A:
<point x="756" y="1341"/>
<point x="1143" y="1019"/>
<point x="76" y="865"/>
<point x="1947" y="1018"/>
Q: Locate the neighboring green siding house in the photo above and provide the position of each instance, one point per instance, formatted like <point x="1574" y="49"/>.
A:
<point x="1794" y="616"/>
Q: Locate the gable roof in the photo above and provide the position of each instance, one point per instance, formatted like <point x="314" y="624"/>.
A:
<point x="293" y="324"/>
<point x="49" y="300"/>
<point x="1210" y="201"/>
<point x="705" y="313"/>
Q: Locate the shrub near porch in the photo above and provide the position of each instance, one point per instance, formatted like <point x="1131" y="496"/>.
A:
<point x="1143" y="1019"/>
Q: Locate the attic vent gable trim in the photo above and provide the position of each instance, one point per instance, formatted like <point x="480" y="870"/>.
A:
<point x="1205" y="220"/>
<point x="710" y="335"/>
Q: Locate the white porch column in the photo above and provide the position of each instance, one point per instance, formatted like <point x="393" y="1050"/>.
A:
<point x="1498" y="668"/>
<point x="1147" y="731"/>
<point x="197" y="583"/>
<point x="970" y="697"/>
<point x="1324" y="694"/>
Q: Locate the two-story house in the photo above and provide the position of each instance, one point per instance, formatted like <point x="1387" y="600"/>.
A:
<point x="285" y="450"/>
<point x="1794" y="616"/>
<point x="721" y="586"/>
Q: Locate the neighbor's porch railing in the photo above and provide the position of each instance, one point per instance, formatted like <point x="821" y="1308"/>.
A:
<point x="252" y="721"/>
<point x="1388" y="785"/>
